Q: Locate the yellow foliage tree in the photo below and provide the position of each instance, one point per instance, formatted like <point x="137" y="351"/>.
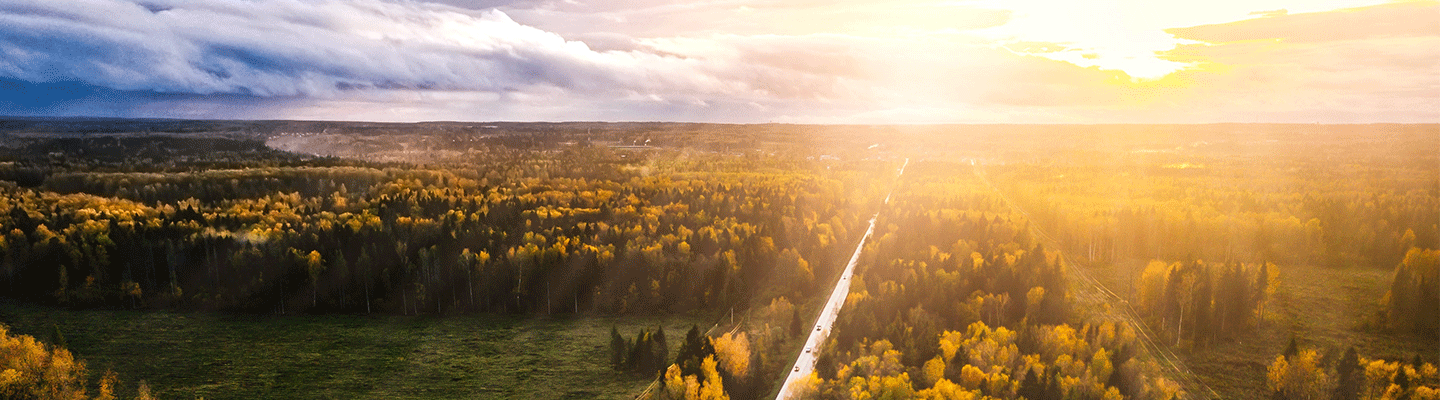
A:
<point x="734" y="353"/>
<point x="795" y="268"/>
<point x="946" y="390"/>
<point x="674" y="383"/>
<point x="712" y="389"/>
<point x="142" y="392"/>
<point x="1100" y="367"/>
<point x="107" y="386"/>
<point x="950" y="344"/>
<point x="314" y="265"/>
<point x="971" y="377"/>
<point x="28" y="370"/>
<point x="1299" y="377"/>
<point x="934" y="371"/>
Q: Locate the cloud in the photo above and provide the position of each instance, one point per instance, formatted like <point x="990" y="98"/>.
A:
<point x="380" y="59"/>
<point x="282" y="48"/>
<point x="1126" y="35"/>
<point x="653" y="18"/>
<point x="1408" y="19"/>
<point x="1376" y="62"/>
<point x="851" y="61"/>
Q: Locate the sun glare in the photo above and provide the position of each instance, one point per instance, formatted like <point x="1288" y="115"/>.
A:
<point x="1128" y="35"/>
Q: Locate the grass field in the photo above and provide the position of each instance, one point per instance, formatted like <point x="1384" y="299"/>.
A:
<point x="217" y="356"/>
<point x="1324" y="308"/>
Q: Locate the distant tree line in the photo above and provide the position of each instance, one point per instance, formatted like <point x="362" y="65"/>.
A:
<point x="1323" y="217"/>
<point x="510" y="231"/>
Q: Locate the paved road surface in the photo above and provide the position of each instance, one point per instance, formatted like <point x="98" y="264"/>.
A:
<point x="806" y="362"/>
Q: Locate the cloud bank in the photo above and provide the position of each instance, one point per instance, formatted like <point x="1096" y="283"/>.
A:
<point x="292" y="48"/>
<point x="893" y="61"/>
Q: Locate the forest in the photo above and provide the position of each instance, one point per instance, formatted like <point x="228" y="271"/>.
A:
<point x="531" y="233"/>
<point x="1228" y="247"/>
<point x="1008" y="262"/>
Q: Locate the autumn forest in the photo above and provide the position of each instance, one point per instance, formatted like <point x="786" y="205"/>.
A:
<point x="294" y="259"/>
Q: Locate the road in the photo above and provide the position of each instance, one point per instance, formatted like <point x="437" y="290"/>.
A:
<point x="805" y="363"/>
<point x="1094" y="291"/>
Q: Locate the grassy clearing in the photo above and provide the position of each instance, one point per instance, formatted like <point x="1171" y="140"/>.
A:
<point x="185" y="356"/>
<point x="1324" y="308"/>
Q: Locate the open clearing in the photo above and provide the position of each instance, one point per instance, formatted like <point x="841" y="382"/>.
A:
<point x="185" y="356"/>
<point x="1324" y="308"/>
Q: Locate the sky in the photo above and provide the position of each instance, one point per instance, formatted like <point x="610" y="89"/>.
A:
<point x="732" y="61"/>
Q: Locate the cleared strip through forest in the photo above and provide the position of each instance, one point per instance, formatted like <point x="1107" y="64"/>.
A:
<point x="1098" y="293"/>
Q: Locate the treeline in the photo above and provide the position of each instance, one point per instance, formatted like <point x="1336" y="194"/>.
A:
<point x="955" y="300"/>
<point x="1225" y="209"/>
<point x="1304" y="374"/>
<point x="1202" y="302"/>
<point x="31" y="161"/>
<point x="512" y="231"/>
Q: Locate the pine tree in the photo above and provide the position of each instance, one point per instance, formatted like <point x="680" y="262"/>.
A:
<point x="697" y="346"/>
<point x="1348" y="383"/>
<point x="659" y="351"/>
<point x="796" y="327"/>
<point x="618" y="348"/>
<point x="341" y="271"/>
<point x="1030" y="387"/>
<point x="1052" y="388"/>
<point x="1262" y="284"/>
<point x="364" y="264"/>
<point x="1402" y="380"/>
<point x="1201" y="313"/>
<point x="57" y="339"/>
<point x="640" y="358"/>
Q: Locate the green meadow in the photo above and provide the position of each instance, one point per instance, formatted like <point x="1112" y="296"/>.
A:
<point x="220" y="356"/>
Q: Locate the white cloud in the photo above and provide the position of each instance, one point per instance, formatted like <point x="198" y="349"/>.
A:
<point x="324" y="49"/>
<point x="851" y="61"/>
